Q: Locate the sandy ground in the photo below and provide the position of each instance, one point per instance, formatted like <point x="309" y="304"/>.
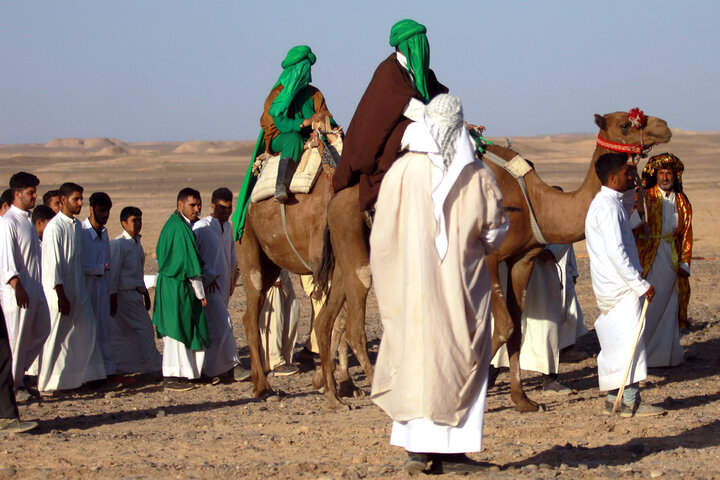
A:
<point x="220" y="431"/>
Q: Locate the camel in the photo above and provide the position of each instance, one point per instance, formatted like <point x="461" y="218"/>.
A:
<point x="561" y="218"/>
<point x="263" y="251"/>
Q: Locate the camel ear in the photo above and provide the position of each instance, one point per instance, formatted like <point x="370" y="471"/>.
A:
<point x="600" y="121"/>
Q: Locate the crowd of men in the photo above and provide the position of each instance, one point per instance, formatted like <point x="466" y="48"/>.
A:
<point x="76" y="304"/>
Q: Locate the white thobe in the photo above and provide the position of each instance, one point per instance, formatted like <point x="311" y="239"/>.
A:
<point x="215" y="244"/>
<point x="277" y="323"/>
<point x="662" y="333"/>
<point x="96" y="256"/>
<point x="618" y="286"/>
<point x="132" y="334"/>
<point x="20" y="257"/>
<point x="572" y="326"/>
<point x="71" y="355"/>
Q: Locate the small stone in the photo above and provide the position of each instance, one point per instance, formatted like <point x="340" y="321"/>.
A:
<point x="167" y="399"/>
<point x="160" y="413"/>
<point x="7" y="471"/>
<point x="273" y="399"/>
<point x="357" y="459"/>
<point x="656" y="474"/>
<point x="544" y="466"/>
<point x="582" y="466"/>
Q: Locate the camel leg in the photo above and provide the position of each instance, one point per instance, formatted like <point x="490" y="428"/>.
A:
<point x="518" y="276"/>
<point x="324" y="322"/>
<point x="258" y="276"/>
<point x="336" y="343"/>
<point x="501" y="317"/>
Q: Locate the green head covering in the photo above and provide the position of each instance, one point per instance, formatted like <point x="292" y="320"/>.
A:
<point x="295" y="76"/>
<point x="409" y="37"/>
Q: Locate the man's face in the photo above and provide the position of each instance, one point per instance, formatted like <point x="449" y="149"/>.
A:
<point x="623" y="179"/>
<point x="26" y="198"/>
<point x="72" y="204"/>
<point x="54" y="204"/>
<point x="221" y="210"/>
<point x="132" y="225"/>
<point x="665" y="179"/>
<point x="190" y="207"/>
<point x="100" y="214"/>
<point x="40" y="227"/>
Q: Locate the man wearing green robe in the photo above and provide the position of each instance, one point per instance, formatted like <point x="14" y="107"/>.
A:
<point x="290" y="109"/>
<point x="180" y="297"/>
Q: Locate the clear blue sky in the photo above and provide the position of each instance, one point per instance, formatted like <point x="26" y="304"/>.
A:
<point x="180" y="70"/>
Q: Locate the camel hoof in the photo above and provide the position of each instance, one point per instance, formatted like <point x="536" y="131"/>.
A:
<point x="527" y="405"/>
<point x="264" y="393"/>
<point x="347" y="388"/>
<point x="336" y="403"/>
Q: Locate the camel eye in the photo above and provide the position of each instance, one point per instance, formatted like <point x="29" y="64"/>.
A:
<point x="625" y="127"/>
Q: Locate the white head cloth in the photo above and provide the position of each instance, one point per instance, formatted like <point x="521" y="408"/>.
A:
<point x="443" y="136"/>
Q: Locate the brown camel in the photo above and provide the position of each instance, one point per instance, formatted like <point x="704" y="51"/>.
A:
<point x="264" y="250"/>
<point x="560" y="215"/>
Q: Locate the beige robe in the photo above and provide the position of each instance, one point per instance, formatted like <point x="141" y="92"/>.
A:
<point x="435" y="350"/>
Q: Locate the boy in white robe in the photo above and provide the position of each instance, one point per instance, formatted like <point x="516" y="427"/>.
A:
<point x="96" y="266"/>
<point x="438" y="215"/>
<point x="131" y="331"/>
<point x="21" y="294"/>
<point x="214" y="238"/>
<point x="618" y="286"/>
<point x="71" y="355"/>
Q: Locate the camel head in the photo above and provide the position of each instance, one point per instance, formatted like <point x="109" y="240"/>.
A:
<point x="632" y="129"/>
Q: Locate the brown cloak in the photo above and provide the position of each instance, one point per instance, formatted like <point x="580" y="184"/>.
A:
<point x="373" y="138"/>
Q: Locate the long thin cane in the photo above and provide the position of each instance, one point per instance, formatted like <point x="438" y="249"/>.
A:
<point x="632" y="357"/>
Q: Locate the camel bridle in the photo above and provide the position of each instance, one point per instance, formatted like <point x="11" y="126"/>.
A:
<point x="638" y="120"/>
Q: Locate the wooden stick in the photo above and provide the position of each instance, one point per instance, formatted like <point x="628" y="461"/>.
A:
<point x="632" y="357"/>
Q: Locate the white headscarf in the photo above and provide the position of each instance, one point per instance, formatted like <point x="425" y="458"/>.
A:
<point x="443" y="136"/>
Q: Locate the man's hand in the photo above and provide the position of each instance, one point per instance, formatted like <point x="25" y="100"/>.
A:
<point x="203" y="302"/>
<point x="650" y="293"/>
<point x="113" y="304"/>
<point x="21" y="296"/>
<point x="214" y="287"/>
<point x="63" y="302"/>
<point x="683" y="273"/>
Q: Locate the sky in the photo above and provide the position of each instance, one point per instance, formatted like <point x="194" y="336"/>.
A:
<point x="172" y="70"/>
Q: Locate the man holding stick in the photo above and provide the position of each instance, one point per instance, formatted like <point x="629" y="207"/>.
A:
<point x="618" y="286"/>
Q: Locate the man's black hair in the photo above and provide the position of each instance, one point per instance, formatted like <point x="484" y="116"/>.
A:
<point x="222" y="194"/>
<point x="49" y="194"/>
<point x="68" y="188"/>
<point x="100" y="199"/>
<point x="609" y="163"/>
<point x="6" y="197"/>
<point x="22" y="180"/>
<point x="128" y="212"/>
<point x="42" y="212"/>
<point x="186" y="193"/>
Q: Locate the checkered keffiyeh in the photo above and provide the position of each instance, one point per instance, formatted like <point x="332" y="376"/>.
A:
<point x="446" y="112"/>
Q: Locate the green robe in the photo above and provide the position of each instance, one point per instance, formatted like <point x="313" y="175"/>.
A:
<point x="178" y="314"/>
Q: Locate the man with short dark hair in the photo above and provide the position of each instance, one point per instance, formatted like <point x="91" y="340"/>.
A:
<point x="96" y="264"/>
<point x="618" y="286"/>
<point x="665" y="255"/>
<point x="51" y="199"/>
<point x="214" y="238"/>
<point x="72" y="355"/>
<point x="132" y="335"/>
<point x="21" y="293"/>
<point x="6" y="201"/>
<point x="179" y="314"/>
<point x="41" y="215"/>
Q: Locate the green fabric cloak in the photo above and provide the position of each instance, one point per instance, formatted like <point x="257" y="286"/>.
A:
<point x="409" y="37"/>
<point x="178" y="314"/>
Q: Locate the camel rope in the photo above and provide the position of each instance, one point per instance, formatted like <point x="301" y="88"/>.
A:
<point x="287" y="235"/>
<point x="534" y="226"/>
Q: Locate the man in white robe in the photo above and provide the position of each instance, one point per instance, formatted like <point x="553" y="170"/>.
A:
<point x="131" y="330"/>
<point x="96" y="266"/>
<point x="665" y="254"/>
<point x="21" y="294"/>
<point x="71" y="355"/>
<point x="618" y="286"/>
<point x="214" y="237"/>
<point x="438" y="215"/>
<point x="277" y="325"/>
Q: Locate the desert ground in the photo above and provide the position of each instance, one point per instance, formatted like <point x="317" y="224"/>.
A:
<point x="221" y="431"/>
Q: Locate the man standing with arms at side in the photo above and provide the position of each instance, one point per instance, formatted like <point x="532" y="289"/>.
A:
<point x="665" y="256"/>
<point x="71" y="355"/>
<point x="618" y="286"/>
<point x="214" y="237"/>
<point x="21" y="294"/>
<point x="178" y="314"/>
